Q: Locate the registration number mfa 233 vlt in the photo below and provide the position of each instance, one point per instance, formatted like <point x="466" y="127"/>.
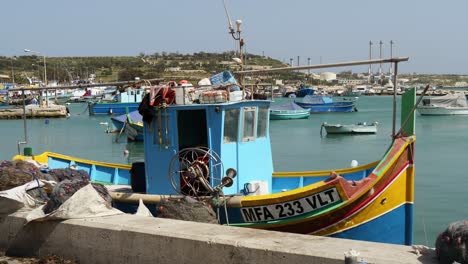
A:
<point x="293" y="208"/>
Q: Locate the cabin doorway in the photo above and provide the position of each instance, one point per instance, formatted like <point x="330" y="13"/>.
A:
<point x="194" y="163"/>
<point x="192" y="129"/>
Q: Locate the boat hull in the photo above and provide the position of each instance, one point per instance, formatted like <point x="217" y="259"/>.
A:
<point x="329" y="107"/>
<point x="350" y="129"/>
<point x="430" y="110"/>
<point x="134" y="132"/>
<point x="111" y="108"/>
<point x="381" y="213"/>
<point x="288" y="114"/>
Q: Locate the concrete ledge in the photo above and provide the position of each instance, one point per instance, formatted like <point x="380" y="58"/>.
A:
<point x="132" y="239"/>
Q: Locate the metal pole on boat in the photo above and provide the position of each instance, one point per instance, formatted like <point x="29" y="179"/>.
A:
<point x="394" y="97"/>
<point x="24" y="120"/>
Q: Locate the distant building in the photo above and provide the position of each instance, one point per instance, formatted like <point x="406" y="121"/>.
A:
<point x="172" y="69"/>
<point x="351" y="81"/>
<point x="328" y="76"/>
<point x="4" y="78"/>
<point x="461" y="84"/>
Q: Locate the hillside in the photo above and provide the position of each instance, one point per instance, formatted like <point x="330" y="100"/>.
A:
<point x="159" y="65"/>
<point x="172" y="66"/>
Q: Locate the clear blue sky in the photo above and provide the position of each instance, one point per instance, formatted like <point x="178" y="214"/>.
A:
<point x="432" y="33"/>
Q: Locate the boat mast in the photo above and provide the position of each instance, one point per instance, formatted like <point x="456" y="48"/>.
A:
<point x="394" y="97"/>
<point x="236" y="35"/>
<point x="370" y="65"/>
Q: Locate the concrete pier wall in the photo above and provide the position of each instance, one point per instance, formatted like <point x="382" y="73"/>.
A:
<point x="34" y="111"/>
<point x="132" y="239"/>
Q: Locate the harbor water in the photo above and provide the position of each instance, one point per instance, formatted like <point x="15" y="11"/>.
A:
<point x="441" y="181"/>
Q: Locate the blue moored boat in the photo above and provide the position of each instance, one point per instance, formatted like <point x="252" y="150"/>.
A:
<point x="120" y="120"/>
<point x="319" y="104"/>
<point x="305" y="90"/>
<point x="131" y="123"/>
<point x="126" y="102"/>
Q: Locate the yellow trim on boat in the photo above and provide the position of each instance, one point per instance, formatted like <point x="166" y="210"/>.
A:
<point x="44" y="158"/>
<point x="393" y="197"/>
<point x="324" y="172"/>
<point x="266" y="199"/>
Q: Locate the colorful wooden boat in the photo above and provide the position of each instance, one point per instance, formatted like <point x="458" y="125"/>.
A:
<point x="324" y="104"/>
<point x="131" y="124"/>
<point x="359" y="128"/>
<point x="134" y="129"/>
<point x="373" y="202"/>
<point x="288" y="111"/>
<point x="127" y="101"/>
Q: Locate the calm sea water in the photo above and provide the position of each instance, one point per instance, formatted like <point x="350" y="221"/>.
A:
<point x="441" y="181"/>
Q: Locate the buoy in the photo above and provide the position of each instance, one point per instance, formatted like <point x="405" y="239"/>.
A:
<point x="126" y="152"/>
<point x="354" y="163"/>
<point x="110" y="111"/>
<point x="46" y="121"/>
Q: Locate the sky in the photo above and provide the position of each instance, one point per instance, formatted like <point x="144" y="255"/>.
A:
<point x="432" y="33"/>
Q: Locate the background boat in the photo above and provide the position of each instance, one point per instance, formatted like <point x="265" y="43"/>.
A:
<point x="324" y="104"/>
<point x="450" y="104"/>
<point x="131" y="124"/>
<point x="288" y="111"/>
<point x="358" y="128"/>
<point x="305" y="90"/>
<point x="127" y="101"/>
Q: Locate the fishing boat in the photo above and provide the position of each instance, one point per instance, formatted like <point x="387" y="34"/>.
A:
<point x="324" y="104"/>
<point x="305" y="90"/>
<point x="450" y="104"/>
<point x="131" y="124"/>
<point x="126" y="102"/>
<point x="212" y="151"/>
<point x="288" y="111"/>
<point x="134" y="129"/>
<point x="358" y="128"/>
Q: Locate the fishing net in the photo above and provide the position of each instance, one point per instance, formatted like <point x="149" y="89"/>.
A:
<point x="66" y="188"/>
<point x="186" y="209"/>
<point x="452" y="244"/>
<point x="59" y="175"/>
<point x="16" y="173"/>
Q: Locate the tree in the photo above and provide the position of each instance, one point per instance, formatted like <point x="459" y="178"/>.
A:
<point x="129" y="74"/>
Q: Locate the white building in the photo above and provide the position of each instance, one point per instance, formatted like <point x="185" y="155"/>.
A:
<point x="328" y="76"/>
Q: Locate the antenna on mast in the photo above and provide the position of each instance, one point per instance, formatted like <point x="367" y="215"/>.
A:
<point x="231" y="28"/>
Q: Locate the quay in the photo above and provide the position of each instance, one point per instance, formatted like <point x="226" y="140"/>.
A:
<point x="34" y="111"/>
<point x="136" y="239"/>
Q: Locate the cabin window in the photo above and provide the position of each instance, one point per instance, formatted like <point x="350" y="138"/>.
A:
<point x="262" y="122"/>
<point x="248" y="126"/>
<point x="231" y="125"/>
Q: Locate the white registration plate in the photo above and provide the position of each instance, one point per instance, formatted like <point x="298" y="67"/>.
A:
<point x="292" y="208"/>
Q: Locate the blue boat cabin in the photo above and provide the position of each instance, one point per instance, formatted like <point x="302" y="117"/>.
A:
<point x="238" y="132"/>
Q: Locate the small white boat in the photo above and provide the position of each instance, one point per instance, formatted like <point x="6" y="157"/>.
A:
<point x="359" y="128"/>
<point x="450" y="104"/>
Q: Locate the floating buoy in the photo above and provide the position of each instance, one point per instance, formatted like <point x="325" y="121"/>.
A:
<point x="46" y="121"/>
<point x="126" y="152"/>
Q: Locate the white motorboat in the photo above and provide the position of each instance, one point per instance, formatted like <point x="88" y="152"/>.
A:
<point x="450" y="104"/>
<point x="359" y="128"/>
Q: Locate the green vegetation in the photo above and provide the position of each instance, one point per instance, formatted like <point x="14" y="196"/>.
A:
<point x="159" y="65"/>
<point x="172" y="66"/>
